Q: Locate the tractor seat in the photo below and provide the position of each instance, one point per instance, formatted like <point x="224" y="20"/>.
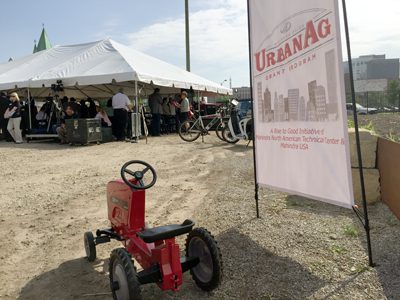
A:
<point x="165" y="232"/>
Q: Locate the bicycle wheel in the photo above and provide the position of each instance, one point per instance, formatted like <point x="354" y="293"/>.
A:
<point x="226" y="133"/>
<point x="189" y="131"/>
<point x="219" y="130"/>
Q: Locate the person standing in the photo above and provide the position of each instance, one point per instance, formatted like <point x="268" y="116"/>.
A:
<point x="121" y="105"/>
<point x="184" y="106"/>
<point x="4" y="102"/>
<point x="165" y="115"/>
<point x="155" y="102"/>
<point x="172" y="118"/>
<point x="14" y="122"/>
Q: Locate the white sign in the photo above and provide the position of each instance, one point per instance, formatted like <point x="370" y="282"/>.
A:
<point x="299" y="104"/>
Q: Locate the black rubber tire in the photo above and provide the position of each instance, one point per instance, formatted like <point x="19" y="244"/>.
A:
<point x="121" y="261"/>
<point x="219" y="129"/>
<point x="213" y="252"/>
<point x="192" y="133"/>
<point x="90" y="246"/>
<point x="226" y="133"/>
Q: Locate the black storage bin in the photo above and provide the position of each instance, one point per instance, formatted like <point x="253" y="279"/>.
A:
<point x="107" y="134"/>
<point x="83" y="131"/>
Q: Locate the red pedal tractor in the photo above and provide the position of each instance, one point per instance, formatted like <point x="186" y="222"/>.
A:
<point x="154" y="249"/>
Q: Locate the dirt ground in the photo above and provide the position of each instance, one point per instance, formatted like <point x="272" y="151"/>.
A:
<point x="387" y="124"/>
<point x="298" y="249"/>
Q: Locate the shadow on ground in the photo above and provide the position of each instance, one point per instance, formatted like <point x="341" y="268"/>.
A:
<point x="74" y="279"/>
<point x="78" y="279"/>
<point x="271" y="276"/>
<point x="385" y="238"/>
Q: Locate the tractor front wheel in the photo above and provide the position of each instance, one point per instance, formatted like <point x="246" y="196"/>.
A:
<point x="208" y="273"/>
<point x="90" y="246"/>
<point x="123" y="277"/>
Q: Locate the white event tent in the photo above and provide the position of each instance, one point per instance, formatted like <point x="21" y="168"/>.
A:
<point x="98" y="69"/>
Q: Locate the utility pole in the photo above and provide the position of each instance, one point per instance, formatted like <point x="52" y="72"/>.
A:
<point x="187" y="35"/>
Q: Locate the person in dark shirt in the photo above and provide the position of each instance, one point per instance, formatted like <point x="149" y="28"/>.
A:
<point x="4" y="102"/>
<point x="75" y="106"/>
<point x="62" y="130"/>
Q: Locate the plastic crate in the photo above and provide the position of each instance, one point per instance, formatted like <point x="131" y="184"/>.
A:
<point x="83" y="131"/>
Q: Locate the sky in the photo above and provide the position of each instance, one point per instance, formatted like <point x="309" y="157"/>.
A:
<point x="218" y="30"/>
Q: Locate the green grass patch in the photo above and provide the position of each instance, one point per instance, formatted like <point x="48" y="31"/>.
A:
<point x="351" y="230"/>
<point x="393" y="138"/>
<point x="360" y="269"/>
<point x="338" y="249"/>
<point x="392" y="220"/>
<point x="369" y="126"/>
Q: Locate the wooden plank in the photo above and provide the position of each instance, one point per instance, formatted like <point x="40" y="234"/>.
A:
<point x="389" y="169"/>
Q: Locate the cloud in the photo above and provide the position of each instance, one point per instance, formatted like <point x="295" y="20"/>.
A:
<point x="373" y="27"/>
<point x="219" y="43"/>
<point x="218" y="40"/>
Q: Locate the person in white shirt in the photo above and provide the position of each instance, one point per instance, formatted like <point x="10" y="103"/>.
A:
<point x="102" y="116"/>
<point x="184" y="106"/>
<point x="121" y="105"/>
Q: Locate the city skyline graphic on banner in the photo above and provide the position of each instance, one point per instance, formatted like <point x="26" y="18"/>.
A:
<point x="320" y="105"/>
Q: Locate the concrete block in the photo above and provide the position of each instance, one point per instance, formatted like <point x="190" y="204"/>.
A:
<point x="368" y="148"/>
<point x="372" y="185"/>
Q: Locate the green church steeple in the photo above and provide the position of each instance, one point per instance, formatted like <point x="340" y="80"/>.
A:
<point x="44" y="42"/>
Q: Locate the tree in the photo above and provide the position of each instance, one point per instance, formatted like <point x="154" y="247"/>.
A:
<point x="393" y="92"/>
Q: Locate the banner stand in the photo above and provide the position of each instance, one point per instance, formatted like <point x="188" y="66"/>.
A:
<point x="364" y="219"/>
<point x="256" y="187"/>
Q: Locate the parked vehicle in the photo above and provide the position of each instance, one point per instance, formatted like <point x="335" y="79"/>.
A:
<point x="209" y="111"/>
<point x="244" y="108"/>
<point x="238" y="129"/>
<point x="360" y="109"/>
<point x="191" y="129"/>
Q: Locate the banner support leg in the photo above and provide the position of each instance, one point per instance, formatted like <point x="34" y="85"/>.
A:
<point x="256" y="187"/>
<point x="353" y="96"/>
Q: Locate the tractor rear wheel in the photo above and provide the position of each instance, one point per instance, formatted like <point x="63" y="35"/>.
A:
<point x="208" y="273"/>
<point x="124" y="281"/>
<point x="90" y="246"/>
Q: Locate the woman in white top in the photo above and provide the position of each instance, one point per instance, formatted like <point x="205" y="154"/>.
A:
<point x="102" y="115"/>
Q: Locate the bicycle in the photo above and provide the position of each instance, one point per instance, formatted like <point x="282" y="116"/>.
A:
<point x="190" y="130"/>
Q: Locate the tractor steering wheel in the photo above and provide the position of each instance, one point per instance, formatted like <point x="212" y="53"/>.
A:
<point x="138" y="175"/>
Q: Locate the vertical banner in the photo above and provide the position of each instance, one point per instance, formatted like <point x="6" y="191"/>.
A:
<point x="299" y="102"/>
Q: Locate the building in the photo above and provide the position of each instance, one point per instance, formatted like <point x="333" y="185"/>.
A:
<point x="241" y="93"/>
<point x="268" y="105"/>
<point x="281" y="109"/>
<point x="302" y="109"/>
<point x="260" y="100"/>
<point x="374" y="67"/>
<point x="311" y="91"/>
<point x="276" y="107"/>
<point x="311" y="114"/>
<point x="293" y="104"/>
<point x="320" y="103"/>
<point x="331" y="76"/>
<point x="44" y="42"/>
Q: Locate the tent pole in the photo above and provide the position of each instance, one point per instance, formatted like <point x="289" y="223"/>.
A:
<point x="353" y="96"/>
<point x="29" y="109"/>
<point x="256" y="187"/>
<point x="136" y="112"/>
